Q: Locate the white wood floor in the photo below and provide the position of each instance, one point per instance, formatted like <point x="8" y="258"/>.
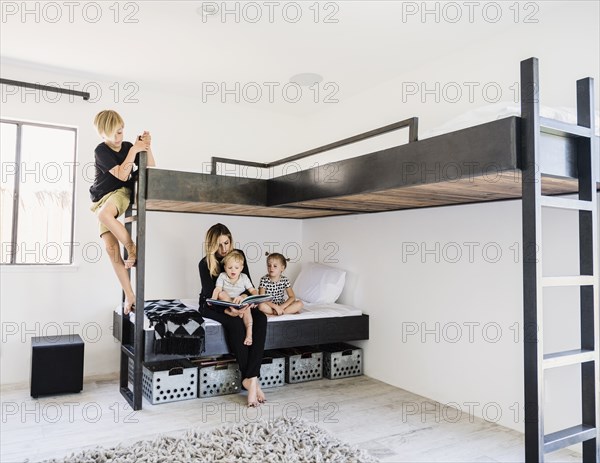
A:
<point x="361" y="411"/>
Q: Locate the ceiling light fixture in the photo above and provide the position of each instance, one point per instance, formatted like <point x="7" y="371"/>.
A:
<point x="306" y="79"/>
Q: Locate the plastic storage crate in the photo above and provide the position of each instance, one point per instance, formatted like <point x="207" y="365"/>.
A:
<point x="218" y="377"/>
<point x="303" y="364"/>
<point x="168" y="381"/>
<point x="341" y="360"/>
<point x="272" y="370"/>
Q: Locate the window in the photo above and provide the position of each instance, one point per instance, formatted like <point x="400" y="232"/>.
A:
<point x="37" y="191"/>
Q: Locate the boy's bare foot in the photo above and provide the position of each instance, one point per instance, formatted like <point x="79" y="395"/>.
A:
<point x="251" y="385"/>
<point x="131" y="260"/>
<point x="248" y="340"/>
<point x="129" y="305"/>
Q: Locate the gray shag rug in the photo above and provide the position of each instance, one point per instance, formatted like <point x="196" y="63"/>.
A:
<point x="279" y="440"/>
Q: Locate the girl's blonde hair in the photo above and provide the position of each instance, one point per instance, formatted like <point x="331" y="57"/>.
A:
<point x="107" y="122"/>
<point x="280" y="257"/>
<point x="211" y="246"/>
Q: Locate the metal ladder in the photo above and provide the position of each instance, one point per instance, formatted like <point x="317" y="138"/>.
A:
<point x="132" y="344"/>
<point x="537" y="443"/>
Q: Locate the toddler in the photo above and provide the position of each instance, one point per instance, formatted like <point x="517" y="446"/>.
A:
<point x="231" y="284"/>
<point x="277" y="285"/>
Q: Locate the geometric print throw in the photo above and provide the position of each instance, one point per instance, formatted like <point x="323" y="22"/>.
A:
<point x="178" y="329"/>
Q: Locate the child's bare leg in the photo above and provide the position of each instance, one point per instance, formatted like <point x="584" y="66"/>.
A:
<point x="294" y="307"/>
<point x="248" y="323"/>
<point x="223" y="296"/>
<point x="265" y="307"/>
<point x="112" y="248"/>
<point x="107" y="215"/>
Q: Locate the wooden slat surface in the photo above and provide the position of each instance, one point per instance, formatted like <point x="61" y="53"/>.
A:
<point x="470" y="190"/>
<point x="235" y="209"/>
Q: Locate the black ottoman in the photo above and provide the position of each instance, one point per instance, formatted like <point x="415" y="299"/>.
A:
<point x="56" y="364"/>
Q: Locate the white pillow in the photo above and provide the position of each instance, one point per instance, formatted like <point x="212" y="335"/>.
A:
<point x="319" y="283"/>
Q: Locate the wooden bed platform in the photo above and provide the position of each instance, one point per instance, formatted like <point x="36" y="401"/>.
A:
<point x="477" y="164"/>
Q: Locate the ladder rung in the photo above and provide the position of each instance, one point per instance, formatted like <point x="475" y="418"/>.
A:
<point x="563" y="128"/>
<point x="566" y="437"/>
<point x="568" y="357"/>
<point x="128" y="350"/>
<point x="131" y="218"/>
<point x="578" y="280"/>
<point x="128" y="394"/>
<point x="566" y="203"/>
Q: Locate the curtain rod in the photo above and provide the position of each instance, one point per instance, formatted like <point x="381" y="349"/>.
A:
<point x="66" y="91"/>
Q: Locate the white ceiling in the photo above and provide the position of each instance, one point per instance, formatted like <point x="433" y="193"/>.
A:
<point x="174" y="47"/>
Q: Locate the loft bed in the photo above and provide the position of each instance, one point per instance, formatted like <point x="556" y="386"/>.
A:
<point x="527" y="157"/>
<point x="481" y="163"/>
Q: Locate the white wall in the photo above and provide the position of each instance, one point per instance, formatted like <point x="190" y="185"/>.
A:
<point x="443" y="289"/>
<point x="443" y="89"/>
<point x="47" y="301"/>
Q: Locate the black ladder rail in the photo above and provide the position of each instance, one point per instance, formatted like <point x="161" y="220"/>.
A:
<point x="588" y="265"/>
<point x="537" y="443"/>
<point x="135" y="352"/>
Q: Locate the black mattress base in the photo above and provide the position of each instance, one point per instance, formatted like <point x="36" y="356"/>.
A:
<point x="280" y="334"/>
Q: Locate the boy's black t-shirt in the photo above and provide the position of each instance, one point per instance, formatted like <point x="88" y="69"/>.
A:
<point x="106" y="159"/>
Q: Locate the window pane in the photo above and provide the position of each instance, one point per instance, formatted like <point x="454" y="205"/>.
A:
<point x="45" y="195"/>
<point x="8" y="150"/>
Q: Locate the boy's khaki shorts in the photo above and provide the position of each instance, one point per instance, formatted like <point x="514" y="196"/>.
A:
<point x="119" y="198"/>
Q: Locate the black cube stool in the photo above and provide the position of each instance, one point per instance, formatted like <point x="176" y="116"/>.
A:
<point x="56" y="364"/>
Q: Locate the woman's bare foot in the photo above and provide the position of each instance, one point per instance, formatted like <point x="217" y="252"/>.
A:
<point x="251" y="385"/>
<point x="260" y="395"/>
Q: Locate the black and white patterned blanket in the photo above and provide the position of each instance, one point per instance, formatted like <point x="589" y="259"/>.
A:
<point x="178" y="329"/>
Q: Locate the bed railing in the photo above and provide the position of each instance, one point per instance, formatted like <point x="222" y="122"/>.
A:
<point x="412" y="124"/>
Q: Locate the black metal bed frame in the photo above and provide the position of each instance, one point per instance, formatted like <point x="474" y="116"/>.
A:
<point x="411" y="123"/>
<point x="580" y="147"/>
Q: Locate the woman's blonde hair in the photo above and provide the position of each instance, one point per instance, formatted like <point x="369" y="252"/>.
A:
<point x="211" y="246"/>
<point x="107" y="122"/>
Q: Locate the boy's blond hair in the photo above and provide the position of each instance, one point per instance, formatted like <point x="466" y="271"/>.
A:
<point x="107" y="122"/>
<point x="235" y="256"/>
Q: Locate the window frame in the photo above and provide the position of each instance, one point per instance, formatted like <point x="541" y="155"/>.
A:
<point x="15" y="212"/>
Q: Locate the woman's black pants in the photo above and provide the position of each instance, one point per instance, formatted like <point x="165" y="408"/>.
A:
<point x="249" y="358"/>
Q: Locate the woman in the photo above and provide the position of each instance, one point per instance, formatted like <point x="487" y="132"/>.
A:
<point x="217" y="244"/>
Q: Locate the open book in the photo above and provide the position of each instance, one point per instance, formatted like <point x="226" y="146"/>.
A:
<point x="257" y="299"/>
